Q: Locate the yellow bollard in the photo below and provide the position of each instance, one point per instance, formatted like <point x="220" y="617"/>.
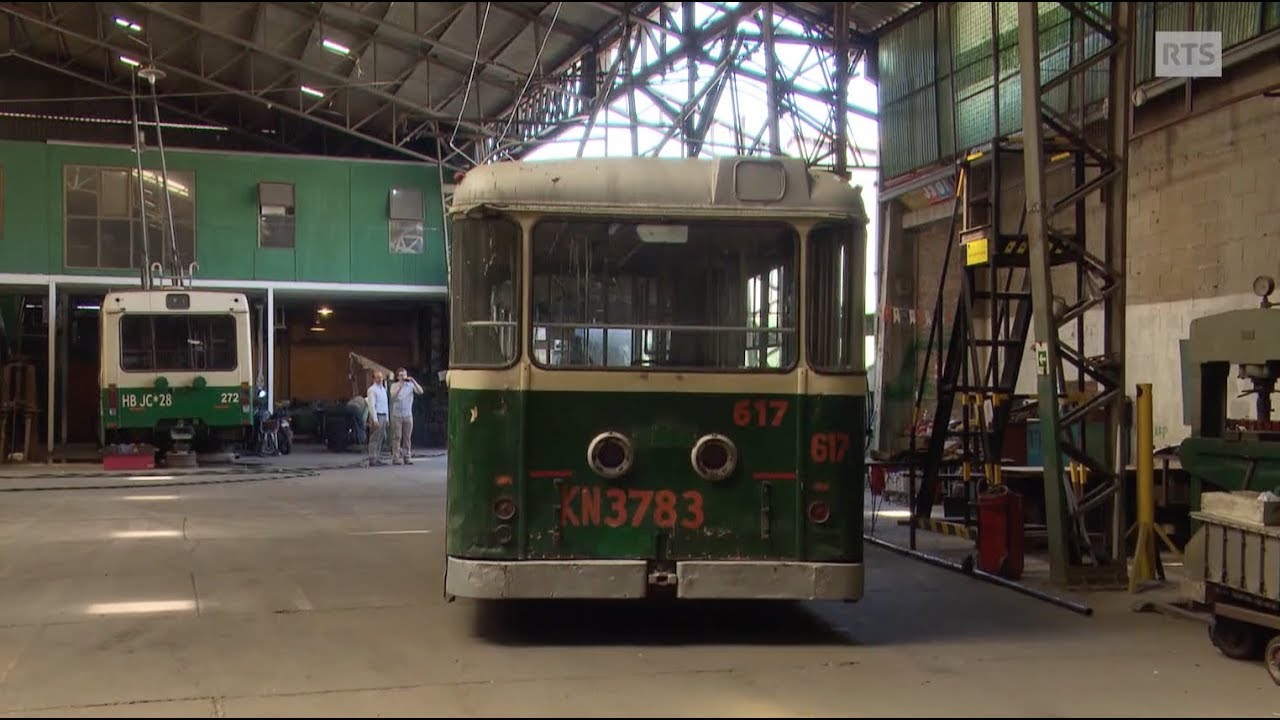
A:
<point x="1146" y="553"/>
<point x="1146" y="459"/>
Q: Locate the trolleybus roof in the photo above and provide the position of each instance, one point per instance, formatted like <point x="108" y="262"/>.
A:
<point x="762" y="187"/>
<point x="156" y="300"/>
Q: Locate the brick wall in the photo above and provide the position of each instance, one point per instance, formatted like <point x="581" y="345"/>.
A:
<point x="930" y="244"/>
<point x="912" y="263"/>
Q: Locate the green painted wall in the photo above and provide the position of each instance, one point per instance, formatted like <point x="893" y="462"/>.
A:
<point x="24" y="237"/>
<point x="341" y="233"/>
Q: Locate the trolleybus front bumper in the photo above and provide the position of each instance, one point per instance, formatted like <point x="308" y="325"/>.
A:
<point x="625" y="579"/>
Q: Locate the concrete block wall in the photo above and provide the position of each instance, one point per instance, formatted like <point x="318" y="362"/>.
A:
<point x="913" y="262"/>
<point x="1204" y="221"/>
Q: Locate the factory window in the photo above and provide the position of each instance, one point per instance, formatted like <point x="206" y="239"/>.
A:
<point x="105" y="224"/>
<point x="406" y="215"/>
<point x="276" y="214"/>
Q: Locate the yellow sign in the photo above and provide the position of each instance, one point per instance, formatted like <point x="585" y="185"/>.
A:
<point x="975" y="251"/>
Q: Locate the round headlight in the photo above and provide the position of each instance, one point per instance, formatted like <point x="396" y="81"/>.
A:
<point x="610" y="455"/>
<point x="714" y="457"/>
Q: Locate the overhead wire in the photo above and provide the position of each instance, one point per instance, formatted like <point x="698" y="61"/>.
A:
<point x="533" y="68"/>
<point x="475" y="62"/>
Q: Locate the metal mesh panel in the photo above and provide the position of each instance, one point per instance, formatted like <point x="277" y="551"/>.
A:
<point x="909" y="115"/>
<point x="948" y="50"/>
<point x="1147" y="21"/>
<point x="907" y="58"/>
<point x="908" y="133"/>
<point x="944" y="91"/>
<point x="1238" y="21"/>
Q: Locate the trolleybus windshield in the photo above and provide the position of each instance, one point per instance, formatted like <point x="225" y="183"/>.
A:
<point x="697" y="295"/>
<point x="177" y="342"/>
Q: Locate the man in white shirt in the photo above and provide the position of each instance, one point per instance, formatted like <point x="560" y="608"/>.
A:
<point x="402" y="392"/>
<point x="378" y="409"/>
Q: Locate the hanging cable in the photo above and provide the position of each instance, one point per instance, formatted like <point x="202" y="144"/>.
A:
<point x="532" y="69"/>
<point x="475" y="61"/>
<point x="142" y="193"/>
<point x="152" y="75"/>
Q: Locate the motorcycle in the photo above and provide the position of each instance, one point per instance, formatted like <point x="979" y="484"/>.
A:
<point x="273" y="430"/>
<point x="283" y="429"/>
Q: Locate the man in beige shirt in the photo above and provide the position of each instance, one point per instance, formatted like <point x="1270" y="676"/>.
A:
<point x="402" y="392"/>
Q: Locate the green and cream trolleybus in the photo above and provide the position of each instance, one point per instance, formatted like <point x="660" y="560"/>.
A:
<point x="657" y="382"/>
<point x="176" y="367"/>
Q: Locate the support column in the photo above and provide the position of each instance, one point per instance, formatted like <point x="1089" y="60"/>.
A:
<point x="1074" y="555"/>
<point x="271" y="349"/>
<point x="51" y="310"/>
<point x="260" y="359"/>
<point x="1048" y="363"/>
<point x="771" y="82"/>
<point x="840" y="106"/>
<point x="1115" y="201"/>
<point x="65" y="368"/>
<point x="690" y="120"/>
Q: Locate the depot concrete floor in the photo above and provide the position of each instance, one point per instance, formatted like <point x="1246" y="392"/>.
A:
<point x="322" y="596"/>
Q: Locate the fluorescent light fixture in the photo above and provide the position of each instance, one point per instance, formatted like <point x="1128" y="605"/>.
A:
<point x="149" y="477"/>
<point x="88" y="307"/>
<point x="141" y="606"/>
<point x="393" y="532"/>
<point x="334" y="46"/>
<point x="144" y="534"/>
<point x="149" y="497"/>
<point x="311" y="91"/>
<point x="129" y="61"/>
<point x="324" y="311"/>
<point x="128" y="24"/>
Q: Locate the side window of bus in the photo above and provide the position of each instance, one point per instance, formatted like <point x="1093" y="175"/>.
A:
<point x="835" y="300"/>
<point x="484" y="282"/>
